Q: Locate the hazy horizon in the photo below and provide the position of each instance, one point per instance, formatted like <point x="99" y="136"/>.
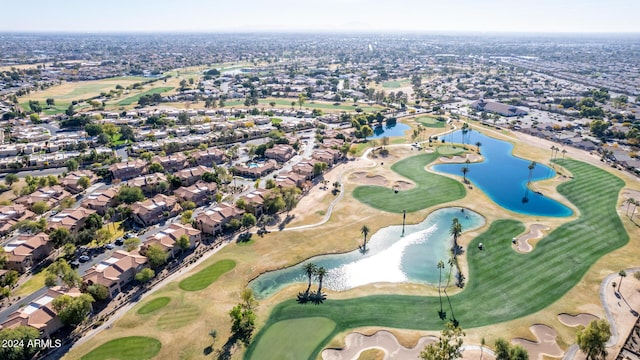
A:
<point x="327" y="16"/>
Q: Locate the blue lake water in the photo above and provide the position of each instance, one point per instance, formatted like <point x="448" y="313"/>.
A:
<point x="394" y="130"/>
<point x="503" y="177"/>
<point x="390" y="258"/>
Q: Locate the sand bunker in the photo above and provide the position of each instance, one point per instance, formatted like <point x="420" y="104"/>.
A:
<point x="355" y="343"/>
<point x="460" y="159"/>
<point x="582" y="319"/>
<point x="545" y="343"/>
<point x="362" y="177"/>
<point x="535" y="232"/>
<point x="402" y="185"/>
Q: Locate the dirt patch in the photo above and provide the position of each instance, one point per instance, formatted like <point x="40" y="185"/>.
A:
<point x="535" y="232"/>
<point x="582" y="319"/>
<point x="364" y="178"/>
<point x="472" y="157"/>
<point x="545" y="343"/>
<point x="356" y="343"/>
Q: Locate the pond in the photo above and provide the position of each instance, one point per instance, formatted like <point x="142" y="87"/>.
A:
<point x="396" y="129"/>
<point x="504" y="177"/>
<point x="390" y="257"/>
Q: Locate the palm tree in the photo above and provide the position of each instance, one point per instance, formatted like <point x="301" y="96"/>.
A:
<point x="453" y="316"/>
<point x="365" y="231"/>
<point x="319" y="297"/>
<point x="442" y="314"/>
<point x="309" y="269"/>
<point x="465" y="170"/>
<point x="622" y="274"/>
<point x="301" y="99"/>
<point x="455" y="231"/>
<point x="478" y="144"/>
<point x="629" y="201"/>
<point x="634" y="202"/>
<point x="564" y="151"/>
<point x="482" y="344"/>
<point x="531" y="167"/>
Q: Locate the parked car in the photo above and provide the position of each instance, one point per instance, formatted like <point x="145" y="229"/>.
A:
<point x="84" y="258"/>
<point x="74" y="264"/>
<point x="119" y="241"/>
<point x="108" y="246"/>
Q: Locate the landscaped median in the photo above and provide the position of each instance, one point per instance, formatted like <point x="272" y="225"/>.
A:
<point x="503" y="284"/>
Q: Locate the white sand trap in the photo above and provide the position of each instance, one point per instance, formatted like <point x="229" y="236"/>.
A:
<point x="545" y="343"/>
<point x="355" y="343"/>
<point x="535" y="232"/>
<point x="460" y="159"/>
<point x="364" y="178"/>
<point x="582" y="319"/>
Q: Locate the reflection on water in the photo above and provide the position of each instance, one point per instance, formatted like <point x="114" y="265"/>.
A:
<point x="390" y="257"/>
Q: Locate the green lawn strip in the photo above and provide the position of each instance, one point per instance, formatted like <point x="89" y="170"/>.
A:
<point x="130" y="100"/>
<point x="154" y="305"/>
<point x="431" y="189"/>
<point x="206" y="276"/>
<point x="290" y="338"/>
<point x="431" y="122"/>
<point x="394" y="84"/>
<point x="503" y="285"/>
<point x="178" y="317"/>
<point x="132" y="347"/>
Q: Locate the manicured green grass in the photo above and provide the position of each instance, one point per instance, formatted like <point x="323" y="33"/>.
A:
<point x="132" y="347"/>
<point x="154" y="305"/>
<point x="178" y="317"/>
<point x="431" y="121"/>
<point x="394" y="84"/>
<point x="290" y="338"/>
<point x="448" y="150"/>
<point x="206" y="276"/>
<point x="57" y="108"/>
<point x="503" y="284"/>
<point x="132" y="99"/>
<point x="431" y="189"/>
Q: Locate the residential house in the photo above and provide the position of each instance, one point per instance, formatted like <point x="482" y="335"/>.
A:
<point x="209" y="156"/>
<point x="171" y="163"/>
<point x="280" y="152"/>
<point x="128" y="170"/>
<point x="191" y="175"/>
<point x="11" y="215"/>
<point x="101" y="200"/>
<point x="254" y="201"/>
<point x="70" y="219"/>
<point x="27" y="251"/>
<point x="51" y="195"/>
<point x="155" y="210"/>
<point x="328" y="156"/>
<point x="212" y="221"/>
<point x="292" y="179"/>
<point x="305" y="168"/>
<point x="116" y="271"/>
<point x="40" y="313"/>
<point x="199" y="193"/>
<point x="150" y="184"/>
<point x="70" y="182"/>
<point x="167" y="239"/>
<point x="257" y="170"/>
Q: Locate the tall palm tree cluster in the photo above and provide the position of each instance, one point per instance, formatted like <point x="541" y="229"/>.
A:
<point x="317" y="297"/>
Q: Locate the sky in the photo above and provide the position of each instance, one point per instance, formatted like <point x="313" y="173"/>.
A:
<point x="549" y="16"/>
